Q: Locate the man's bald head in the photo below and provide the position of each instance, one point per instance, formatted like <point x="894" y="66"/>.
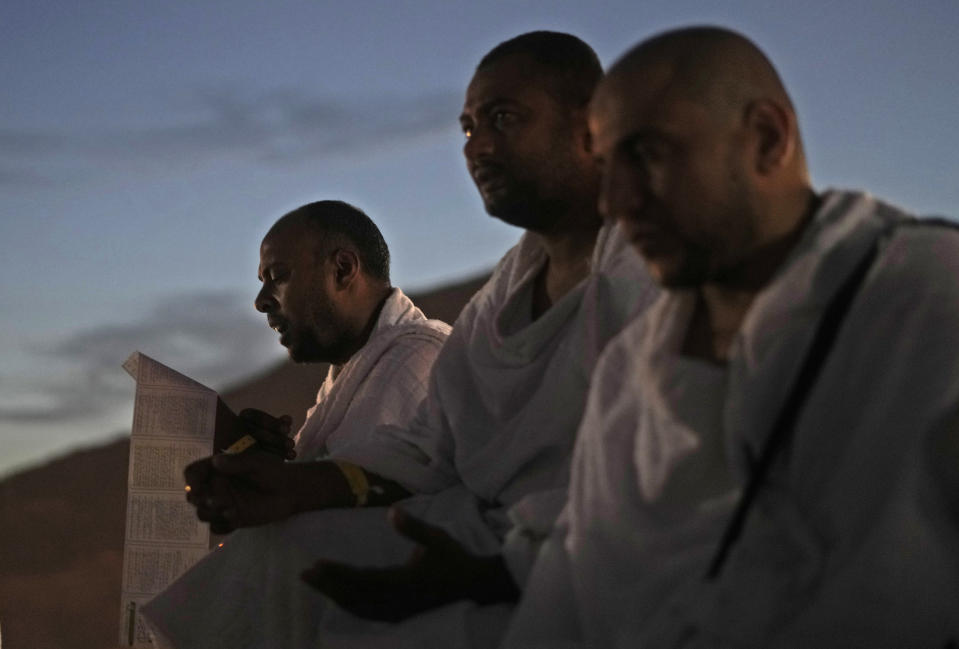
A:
<point x="339" y="223"/>
<point x="716" y="66"/>
<point x="721" y="69"/>
<point x="703" y="163"/>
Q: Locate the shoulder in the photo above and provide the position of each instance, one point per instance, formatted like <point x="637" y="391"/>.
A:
<point x="921" y="258"/>
<point x="509" y="271"/>
<point x="926" y="243"/>
<point x="421" y="335"/>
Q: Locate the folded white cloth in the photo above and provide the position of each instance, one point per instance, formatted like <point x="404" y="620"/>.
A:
<point x="852" y="540"/>
<point x="383" y="383"/>
<point x="498" y="424"/>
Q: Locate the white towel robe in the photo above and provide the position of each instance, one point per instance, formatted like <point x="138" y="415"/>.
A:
<point x="854" y="539"/>
<point x="382" y="384"/>
<point x="496" y="429"/>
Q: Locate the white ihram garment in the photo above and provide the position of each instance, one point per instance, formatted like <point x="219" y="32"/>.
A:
<point x="383" y="383"/>
<point x="852" y="541"/>
<point x="496" y="430"/>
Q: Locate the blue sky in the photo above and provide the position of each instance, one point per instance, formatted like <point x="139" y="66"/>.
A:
<point x="146" y="147"/>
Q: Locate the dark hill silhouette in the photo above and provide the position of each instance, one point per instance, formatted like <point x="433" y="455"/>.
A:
<point x="61" y="524"/>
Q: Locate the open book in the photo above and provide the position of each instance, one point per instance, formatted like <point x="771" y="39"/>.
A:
<point x="175" y="422"/>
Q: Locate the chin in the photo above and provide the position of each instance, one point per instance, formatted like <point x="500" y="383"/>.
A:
<point x="521" y="215"/>
<point x="297" y="353"/>
<point x="296" y="356"/>
<point x="498" y="207"/>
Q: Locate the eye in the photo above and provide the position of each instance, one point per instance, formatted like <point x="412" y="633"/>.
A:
<point x="502" y="119"/>
<point x="643" y="152"/>
<point x="638" y="152"/>
<point x="278" y="275"/>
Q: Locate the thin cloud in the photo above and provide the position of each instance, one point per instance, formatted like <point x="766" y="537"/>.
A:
<point x="21" y="176"/>
<point x="276" y="128"/>
<point x="212" y="337"/>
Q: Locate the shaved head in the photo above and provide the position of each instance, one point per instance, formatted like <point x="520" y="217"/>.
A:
<point x="340" y="223"/>
<point x="713" y="66"/>
<point x="702" y="160"/>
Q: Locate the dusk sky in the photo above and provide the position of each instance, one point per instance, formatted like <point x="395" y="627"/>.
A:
<point x="146" y="147"/>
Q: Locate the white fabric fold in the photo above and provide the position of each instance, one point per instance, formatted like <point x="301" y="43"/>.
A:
<point x="505" y="396"/>
<point x="382" y="383"/>
<point x="852" y="539"/>
<point x="506" y="393"/>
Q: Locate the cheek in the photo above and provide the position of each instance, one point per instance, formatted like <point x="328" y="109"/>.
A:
<point x="292" y="302"/>
<point x="696" y="197"/>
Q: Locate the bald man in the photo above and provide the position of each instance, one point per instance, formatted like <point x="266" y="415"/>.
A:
<point x="325" y="274"/>
<point x="770" y="457"/>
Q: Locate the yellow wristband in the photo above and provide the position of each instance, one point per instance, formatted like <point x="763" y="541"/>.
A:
<point x="240" y="445"/>
<point x="356" y="478"/>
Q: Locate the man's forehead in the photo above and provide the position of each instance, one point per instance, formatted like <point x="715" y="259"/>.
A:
<point x="631" y="101"/>
<point x="286" y="238"/>
<point x="515" y="77"/>
<point x="613" y="113"/>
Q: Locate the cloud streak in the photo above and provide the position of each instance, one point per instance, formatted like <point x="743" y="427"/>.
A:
<point x="279" y="127"/>
<point x="211" y="337"/>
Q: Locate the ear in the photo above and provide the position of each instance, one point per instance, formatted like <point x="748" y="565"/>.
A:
<point x="346" y="267"/>
<point x="772" y="130"/>
<point x="580" y="129"/>
<point x="588" y="143"/>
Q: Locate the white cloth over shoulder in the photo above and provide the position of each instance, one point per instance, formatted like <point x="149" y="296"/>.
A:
<point x="382" y="383"/>
<point x="507" y="392"/>
<point x="496" y="429"/>
<point x="852" y="540"/>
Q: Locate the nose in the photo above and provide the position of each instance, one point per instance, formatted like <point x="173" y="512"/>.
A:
<point x="620" y="193"/>
<point x="264" y="301"/>
<point x="478" y="145"/>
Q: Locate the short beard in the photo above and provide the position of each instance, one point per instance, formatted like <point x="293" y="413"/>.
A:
<point x="520" y="216"/>
<point x="311" y="349"/>
<point x="540" y="216"/>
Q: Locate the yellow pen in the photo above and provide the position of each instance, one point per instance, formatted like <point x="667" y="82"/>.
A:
<point x="240" y="445"/>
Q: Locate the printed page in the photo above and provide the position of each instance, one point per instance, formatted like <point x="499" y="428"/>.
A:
<point x="174" y="420"/>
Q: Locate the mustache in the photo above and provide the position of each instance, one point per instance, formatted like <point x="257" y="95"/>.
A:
<point x="486" y="170"/>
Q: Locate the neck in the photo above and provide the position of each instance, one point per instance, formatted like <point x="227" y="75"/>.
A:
<point x="364" y="327"/>
<point x="568" y="254"/>
<point x="724" y="301"/>
<point x="567" y="250"/>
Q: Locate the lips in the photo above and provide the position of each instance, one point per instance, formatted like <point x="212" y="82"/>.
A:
<point x="278" y="325"/>
<point x="488" y="178"/>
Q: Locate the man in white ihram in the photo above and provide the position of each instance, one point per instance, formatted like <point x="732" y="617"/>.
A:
<point x="491" y="442"/>
<point x="326" y="291"/>
<point x="843" y="473"/>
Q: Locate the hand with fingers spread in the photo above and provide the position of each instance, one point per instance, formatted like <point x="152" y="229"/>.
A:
<point x="439" y="571"/>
